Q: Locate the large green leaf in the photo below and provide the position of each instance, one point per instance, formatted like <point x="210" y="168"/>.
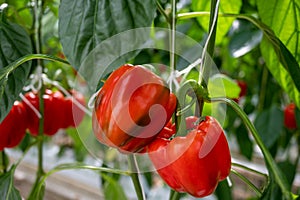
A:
<point x="224" y="24"/>
<point x="83" y="24"/>
<point x="288" y="81"/>
<point x="7" y="188"/>
<point x="283" y="17"/>
<point x="15" y="43"/>
<point x="279" y="60"/>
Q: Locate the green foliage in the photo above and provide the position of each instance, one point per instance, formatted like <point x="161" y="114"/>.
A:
<point x="15" y="43"/>
<point x="112" y="189"/>
<point x="224" y="24"/>
<point x="7" y="188"/>
<point x="269" y="124"/>
<point x="283" y="18"/>
<point x="85" y="24"/>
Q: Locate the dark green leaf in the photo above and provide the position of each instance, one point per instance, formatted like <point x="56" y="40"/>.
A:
<point x="15" y="43"/>
<point x="297" y="115"/>
<point x="224" y="24"/>
<point x="244" y="37"/>
<point x="269" y="124"/>
<point x="223" y="191"/>
<point x="7" y="188"/>
<point x="245" y="144"/>
<point x="112" y="189"/>
<point x="85" y="24"/>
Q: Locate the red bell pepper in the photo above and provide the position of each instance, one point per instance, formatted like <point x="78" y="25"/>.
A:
<point x="289" y="116"/>
<point x="194" y="163"/>
<point x="131" y="108"/>
<point x="13" y="127"/>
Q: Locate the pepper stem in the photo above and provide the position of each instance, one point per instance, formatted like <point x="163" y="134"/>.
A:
<point x="272" y="166"/>
<point x="134" y="174"/>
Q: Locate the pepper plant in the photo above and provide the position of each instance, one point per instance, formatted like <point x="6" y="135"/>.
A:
<point x="220" y="81"/>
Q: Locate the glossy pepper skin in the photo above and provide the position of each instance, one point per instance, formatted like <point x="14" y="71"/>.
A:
<point x="73" y="114"/>
<point x="194" y="163"/>
<point x="13" y="127"/>
<point x="131" y="108"/>
<point x="289" y="116"/>
<point x="53" y="112"/>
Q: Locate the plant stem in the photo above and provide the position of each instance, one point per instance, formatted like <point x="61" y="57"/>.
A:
<point x="174" y="195"/>
<point x="135" y="177"/>
<point x="14" y="65"/>
<point x="249" y="169"/>
<point x="207" y="53"/>
<point x="249" y="183"/>
<point x="271" y="164"/>
<point x="3" y="162"/>
<point x="162" y="11"/>
<point x="69" y="166"/>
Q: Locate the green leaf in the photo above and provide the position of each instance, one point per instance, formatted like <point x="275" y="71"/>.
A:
<point x="289" y="81"/>
<point x="15" y="43"/>
<point x="244" y="37"/>
<point x="224" y="24"/>
<point x="221" y="85"/>
<point x="112" y="189"/>
<point x="269" y="124"/>
<point x="245" y="144"/>
<point x="223" y="191"/>
<point x="7" y="188"/>
<point x="283" y="17"/>
<point x="83" y="24"/>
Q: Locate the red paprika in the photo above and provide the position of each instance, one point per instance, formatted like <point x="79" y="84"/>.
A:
<point x="194" y="163"/>
<point x="131" y="108"/>
<point x="53" y="112"/>
<point x="73" y="114"/>
<point x="13" y="127"/>
<point x="289" y="116"/>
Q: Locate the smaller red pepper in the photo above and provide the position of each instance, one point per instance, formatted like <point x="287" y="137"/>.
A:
<point x="73" y="114"/>
<point x="196" y="162"/>
<point x="289" y="116"/>
<point x="53" y="112"/>
<point x="13" y="127"/>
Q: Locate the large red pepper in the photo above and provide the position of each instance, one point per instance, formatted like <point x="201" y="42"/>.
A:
<point x="131" y="108"/>
<point x="194" y="163"/>
<point x="13" y="127"/>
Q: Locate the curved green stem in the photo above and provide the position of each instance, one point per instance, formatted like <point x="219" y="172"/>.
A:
<point x="162" y="11"/>
<point x="271" y="164"/>
<point x="174" y="195"/>
<point x="134" y="174"/>
<point x="14" y="65"/>
<point x="249" y="183"/>
<point x="249" y="169"/>
<point x="70" y="166"/>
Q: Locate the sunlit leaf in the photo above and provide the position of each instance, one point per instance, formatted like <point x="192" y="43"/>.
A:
<point x="224" y="24"/>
